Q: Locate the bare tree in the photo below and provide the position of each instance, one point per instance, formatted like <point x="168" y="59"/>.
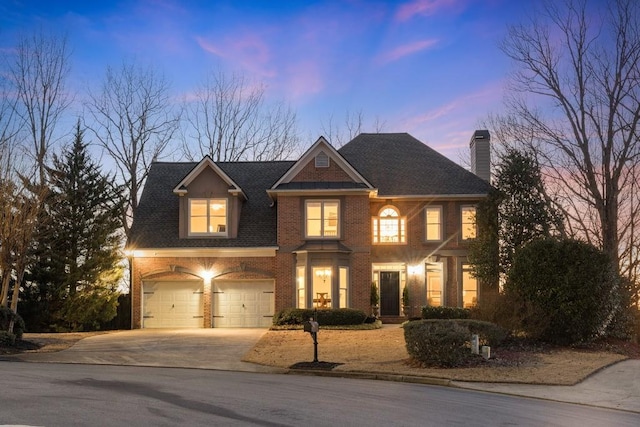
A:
<point x="20" y="206"/>
<point x="575" y="101"/>
<point x="354" y="124"/>
<point x="134" y="120"/>
<point x="39" y="72"/>
<point x="229" y="120"/>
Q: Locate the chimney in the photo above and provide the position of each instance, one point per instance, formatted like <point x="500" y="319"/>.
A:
<point x="481" y="154"/>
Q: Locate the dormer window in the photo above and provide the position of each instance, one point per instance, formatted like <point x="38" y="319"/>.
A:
<point x="322" y="160"/>
<point x="208" y="217"/>
<point x="389" y="226"/>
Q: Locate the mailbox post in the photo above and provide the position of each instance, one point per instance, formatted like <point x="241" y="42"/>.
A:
<point x="312" y="327"/>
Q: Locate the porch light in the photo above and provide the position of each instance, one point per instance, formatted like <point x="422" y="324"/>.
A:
<point x="206" y="275"/>
<point x="414" y="269"/>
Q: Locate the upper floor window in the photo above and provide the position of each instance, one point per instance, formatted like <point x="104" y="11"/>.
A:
<point x="322" y="218"/>
<point x="433" y="223"/>
<point x="468" y="222"/>
<point x="208" y="216"/>
<point x="389" y="226"/>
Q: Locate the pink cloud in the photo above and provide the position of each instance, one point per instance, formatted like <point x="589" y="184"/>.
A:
<point x="405" y="50"/>
<point x="423" y="8"/>
<point x="303" y="79"/>
<point x="248" y="51"/>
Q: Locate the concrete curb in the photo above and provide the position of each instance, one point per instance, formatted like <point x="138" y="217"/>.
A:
<point x="372" y="376"/>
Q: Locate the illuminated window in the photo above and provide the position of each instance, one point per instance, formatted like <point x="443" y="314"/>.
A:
<point x="301" y="283"/>
<point x="208" y="217"/>
<point x="433" y="223"/>
<point x="434" y="285"/>
<point x="322" y="284"/>
<point x="344" y="287"/>
<point x="469" y="287"/>
<point x="389" y="227"/>
<point x="322" y="218"/>
<point x="468" y="222"/>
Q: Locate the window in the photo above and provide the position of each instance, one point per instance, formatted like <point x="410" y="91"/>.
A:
<point x="301" y="286"/>
<point x="468" y="222"/>
<point x="434" y="285"/>
<point x="322" y="287"/>
<point x="433" y="223"/>
<point x="344" y="287"/>
<point x="322" y="218"/>
<point x="469" y="287"/>
<point x="389" y="227"/>
<point x="208" y="216"/>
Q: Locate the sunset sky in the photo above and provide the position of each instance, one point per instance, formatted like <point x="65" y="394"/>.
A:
<point x="428" y="67"/>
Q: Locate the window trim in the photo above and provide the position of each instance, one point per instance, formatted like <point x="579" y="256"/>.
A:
<point x="440" y="223"/>
<point x="224" y="233"/>
<point x="322" y="220"/>
<point x="462" y="223"/>
<point x="402" y="227"/>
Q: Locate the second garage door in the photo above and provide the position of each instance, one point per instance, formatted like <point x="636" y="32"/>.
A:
<point x="243" y="304"/>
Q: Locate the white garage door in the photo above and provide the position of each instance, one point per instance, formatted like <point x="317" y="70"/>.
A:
<point x="243" y="304"/>
<point x="173" y="304"/>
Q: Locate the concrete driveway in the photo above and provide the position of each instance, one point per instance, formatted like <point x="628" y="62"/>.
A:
<point x="215" y="348"/>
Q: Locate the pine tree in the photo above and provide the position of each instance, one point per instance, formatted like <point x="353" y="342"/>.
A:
<point x="79" y="263"/>
<point x="516" y="212"/>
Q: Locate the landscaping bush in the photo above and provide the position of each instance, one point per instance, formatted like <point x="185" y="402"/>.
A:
<point x="437" y="342"/>
<point x="567" y="291"/>
<point x="429" y="312"/>
<point x="331" y="317"/>
<point x="7" y="339"/>
<point x="489" y="333"/>
<point x="6" y="314"/>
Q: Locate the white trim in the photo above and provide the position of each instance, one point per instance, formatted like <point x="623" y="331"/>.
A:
<point x="323" y="192"/>
<point x="269" y="251"/>
<point x="432" y="197"/>
<point x="321" y="145"/>
<point x="207" y="161"/>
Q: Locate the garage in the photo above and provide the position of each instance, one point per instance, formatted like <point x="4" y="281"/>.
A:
<point x="243" y="303"/>
<point x="173" y="304"/>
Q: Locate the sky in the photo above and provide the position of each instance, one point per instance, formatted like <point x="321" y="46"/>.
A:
<point x="431" y="68"/>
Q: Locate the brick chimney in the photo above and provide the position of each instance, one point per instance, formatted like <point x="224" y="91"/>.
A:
<point x="481" y="154"/>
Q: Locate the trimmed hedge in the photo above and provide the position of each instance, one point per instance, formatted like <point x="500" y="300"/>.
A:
<point x="6" y="314"/>
<point x="331" y="317"/>
<point x="446" y="342"/>
<point x="441" y="343"/>
<point x="429" y="312"/>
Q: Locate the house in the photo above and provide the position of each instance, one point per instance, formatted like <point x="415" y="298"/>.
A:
<point x="227" y="244"/>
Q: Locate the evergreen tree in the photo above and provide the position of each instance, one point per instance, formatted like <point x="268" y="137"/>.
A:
<point x="77" y="267"/>
<point x="516" y="212"/>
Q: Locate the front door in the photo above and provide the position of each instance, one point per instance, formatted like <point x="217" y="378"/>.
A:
<point x="389" y="293"/>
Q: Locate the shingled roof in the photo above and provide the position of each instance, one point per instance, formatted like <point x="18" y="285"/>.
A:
<point x="155" y="222"/>
<point x="398" y="164"/>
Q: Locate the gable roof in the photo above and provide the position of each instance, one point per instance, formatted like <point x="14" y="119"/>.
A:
<point x="181" y="188"/>
<point x="321" y="146"/>
<point x="156" y="219"/>
<point x="399" y="165"/>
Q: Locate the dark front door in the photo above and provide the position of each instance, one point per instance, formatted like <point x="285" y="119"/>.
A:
<point x="389" y="293"/>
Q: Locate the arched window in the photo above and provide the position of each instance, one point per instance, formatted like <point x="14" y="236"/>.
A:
<point x="389" y="226"/>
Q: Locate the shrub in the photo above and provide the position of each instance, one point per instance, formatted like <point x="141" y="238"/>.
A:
<point x="6" y="315"/>
<point x="490" y="334"/>
<point x="566" y="290"/>
<point x="429" y="312"/>
<point x="331" y="317"/>
<point x="7" y="339"/>
<point x="437" y="342"/>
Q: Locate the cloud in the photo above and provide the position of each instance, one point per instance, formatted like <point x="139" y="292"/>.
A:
<point x="422" y="8"/>
<point x="405" y="50"/>
<point x="248" y="51"/>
